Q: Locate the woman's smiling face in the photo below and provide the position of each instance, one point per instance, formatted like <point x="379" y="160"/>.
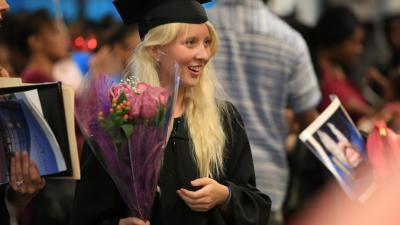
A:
<point x="192" y="51"/>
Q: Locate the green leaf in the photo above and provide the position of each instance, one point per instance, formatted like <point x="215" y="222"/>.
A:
<point x="121" y="98"/>
<point x="107" y="125"/>
<point x="128" y="129"/>
<point x="160" y="116"/>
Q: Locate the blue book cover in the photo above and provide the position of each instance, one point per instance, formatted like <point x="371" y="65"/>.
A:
<point x="24" y="127"/>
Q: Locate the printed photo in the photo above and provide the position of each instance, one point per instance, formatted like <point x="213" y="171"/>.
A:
<point x="335" y="140"/>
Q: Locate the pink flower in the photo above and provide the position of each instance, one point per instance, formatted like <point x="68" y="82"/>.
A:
<point x="164" y="97"/>
<point x="142" y="87"/>
<point x="116" y="91"/>
<point x="149" y="106"/>
<point x="135" y="106"/>
<point x="159" y="94"/>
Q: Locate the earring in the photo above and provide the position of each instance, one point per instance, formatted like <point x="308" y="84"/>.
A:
<point x="157" y="62"/>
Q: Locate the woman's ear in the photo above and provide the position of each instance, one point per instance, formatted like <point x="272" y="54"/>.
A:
<point x="154" y="52"/>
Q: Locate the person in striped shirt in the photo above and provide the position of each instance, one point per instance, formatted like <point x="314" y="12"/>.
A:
<point x="266" y="68"/>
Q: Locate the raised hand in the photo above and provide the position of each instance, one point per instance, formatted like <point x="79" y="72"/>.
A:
<point x="25" y="179"/>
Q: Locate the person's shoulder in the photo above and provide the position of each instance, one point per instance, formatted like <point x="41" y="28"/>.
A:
<point x="281" y="30"/>
<point x="229" y="106"/>
<point x="230" y="113"/>
<point x="34" y="76"/>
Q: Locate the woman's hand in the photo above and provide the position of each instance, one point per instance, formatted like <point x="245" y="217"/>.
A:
<point x="132" y="221"/>
<point x="25" y="179"/>
<point x="207" y="197"/>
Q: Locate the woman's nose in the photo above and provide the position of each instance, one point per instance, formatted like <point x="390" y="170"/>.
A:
<point x="203" y="52"/>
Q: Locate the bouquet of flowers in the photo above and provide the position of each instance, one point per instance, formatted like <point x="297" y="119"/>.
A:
<point x="127" y="125"/>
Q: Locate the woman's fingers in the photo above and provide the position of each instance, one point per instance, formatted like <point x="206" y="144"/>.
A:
<point x="193" y="194"/>
<point x="19" y="177"/>
<point x="25" y="167"/>
<point x="199" y="205"/>
<point x="133" y="221"/>
<point x="25" y="177"/>
<point x="13" y="175"/>
<point x="208" y="196"/>
<point x="34" y="175"/>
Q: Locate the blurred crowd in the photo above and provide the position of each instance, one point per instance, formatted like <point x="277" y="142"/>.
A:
<point x="357" y="59"/>
<point x="38" y="47"/>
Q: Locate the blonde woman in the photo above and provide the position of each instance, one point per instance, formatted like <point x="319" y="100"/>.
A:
<point x="207" y="175"/>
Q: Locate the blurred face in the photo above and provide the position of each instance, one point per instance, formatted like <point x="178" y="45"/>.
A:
<point x="53" y="41"/>
<point x="349" y="51"/>
<point x="4" y="7"/>
<point x="5" y="65"/>
<point x="192" y="51"/>
<point x="125" y="49"/>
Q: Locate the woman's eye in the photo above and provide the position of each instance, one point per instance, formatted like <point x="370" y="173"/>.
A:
<point x="190" y="43"/>
<point x="207" y="42"/>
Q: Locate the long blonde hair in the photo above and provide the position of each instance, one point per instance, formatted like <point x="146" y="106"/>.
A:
<point x="202" y="112"/>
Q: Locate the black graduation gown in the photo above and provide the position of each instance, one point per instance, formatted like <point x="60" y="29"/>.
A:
<point x="97" y="200"/>
<point x="4" y="217"/>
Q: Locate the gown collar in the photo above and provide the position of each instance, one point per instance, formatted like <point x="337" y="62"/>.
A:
<point x="179" y="130"/>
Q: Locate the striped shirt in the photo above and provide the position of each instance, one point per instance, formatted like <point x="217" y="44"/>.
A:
<point x="265" y="67"/>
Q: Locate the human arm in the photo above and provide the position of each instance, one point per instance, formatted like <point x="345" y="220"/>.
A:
<point x="25" y="181"/>
<point x="304" y="93"/>
<point x="349" y="95"/>
<point x="305" y="118"/>
<point x="26" y="173"/>
<point x="247" y="204"/>
<point x="375" y="75"/>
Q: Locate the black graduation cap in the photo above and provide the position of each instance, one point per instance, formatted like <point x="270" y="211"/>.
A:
<point x="151" y="13"/>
